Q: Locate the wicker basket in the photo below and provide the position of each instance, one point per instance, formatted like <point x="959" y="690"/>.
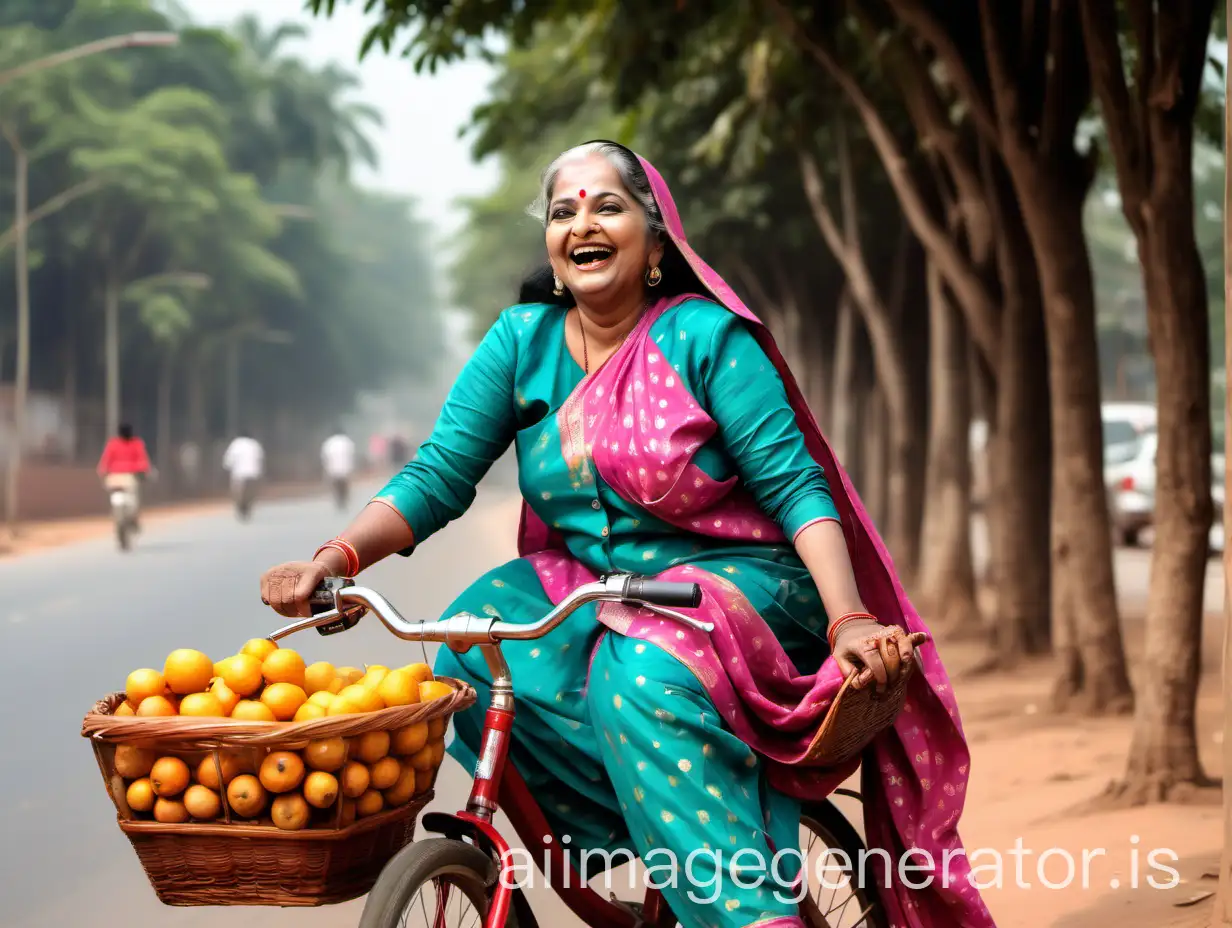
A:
<point x="241" y="862"/>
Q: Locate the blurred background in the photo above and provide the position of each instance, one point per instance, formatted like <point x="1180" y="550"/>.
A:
<point x="988" y="237"/>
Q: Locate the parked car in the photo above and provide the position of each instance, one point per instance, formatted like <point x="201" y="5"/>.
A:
<point x="1124" y="422"/>
<point x="1129" y="474"/>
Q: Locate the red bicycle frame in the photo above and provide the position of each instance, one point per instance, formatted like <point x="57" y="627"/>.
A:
<point x="495" y="779"/>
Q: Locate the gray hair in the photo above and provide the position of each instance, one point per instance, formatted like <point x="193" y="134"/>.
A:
<point x="631" y="174"/>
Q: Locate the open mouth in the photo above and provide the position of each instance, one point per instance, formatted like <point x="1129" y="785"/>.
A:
<point x="592" y="257"/>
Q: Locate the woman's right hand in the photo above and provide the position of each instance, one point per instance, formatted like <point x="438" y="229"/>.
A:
<point x="287" y="588"/>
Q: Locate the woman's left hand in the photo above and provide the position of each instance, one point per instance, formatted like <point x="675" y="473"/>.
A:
<point x="880" y="653"/>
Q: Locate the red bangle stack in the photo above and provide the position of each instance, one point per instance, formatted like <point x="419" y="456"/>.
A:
<point x="842" y="620"/>
<point x="348" y="551"/>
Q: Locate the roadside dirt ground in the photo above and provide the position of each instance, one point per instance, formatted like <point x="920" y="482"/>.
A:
<point x="1034" y="776"/>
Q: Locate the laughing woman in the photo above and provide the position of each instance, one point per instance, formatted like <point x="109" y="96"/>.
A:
<point x="658" y="431"/>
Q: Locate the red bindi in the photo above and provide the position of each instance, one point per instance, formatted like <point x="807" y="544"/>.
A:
<point x="581" y="194"/>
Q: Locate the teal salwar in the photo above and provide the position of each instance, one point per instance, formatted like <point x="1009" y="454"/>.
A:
<point x="617" y="739"/>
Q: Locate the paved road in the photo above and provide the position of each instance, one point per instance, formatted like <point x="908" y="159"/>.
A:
<point x="74" y="621"/>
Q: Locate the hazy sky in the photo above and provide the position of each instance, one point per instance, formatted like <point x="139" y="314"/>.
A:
<point x="421" y="154"/>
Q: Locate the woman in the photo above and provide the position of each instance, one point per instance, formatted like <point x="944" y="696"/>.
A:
<point x="658" y="431"/>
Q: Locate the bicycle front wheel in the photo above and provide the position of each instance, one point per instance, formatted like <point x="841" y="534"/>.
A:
<point x="837" y="897"/>
<point x="438" y="883"/>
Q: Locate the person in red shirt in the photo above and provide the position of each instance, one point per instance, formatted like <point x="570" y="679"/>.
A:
<point x="125" y="464"/>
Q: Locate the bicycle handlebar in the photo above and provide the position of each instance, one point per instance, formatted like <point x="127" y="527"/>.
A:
<point x="338" y="605"/>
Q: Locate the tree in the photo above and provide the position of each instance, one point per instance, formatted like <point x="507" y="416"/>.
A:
<point x="1149" y="120"/>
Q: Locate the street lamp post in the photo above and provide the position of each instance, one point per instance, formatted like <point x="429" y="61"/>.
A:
<point x="21" y="385"/>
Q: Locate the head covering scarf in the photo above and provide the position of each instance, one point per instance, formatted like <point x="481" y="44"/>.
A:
<point x="914" y="775"/>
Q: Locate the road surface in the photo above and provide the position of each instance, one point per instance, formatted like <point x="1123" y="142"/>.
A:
<point x="75" y="620"/>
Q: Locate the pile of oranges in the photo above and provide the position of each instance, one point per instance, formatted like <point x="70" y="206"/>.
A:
<point x="330" y="782"/>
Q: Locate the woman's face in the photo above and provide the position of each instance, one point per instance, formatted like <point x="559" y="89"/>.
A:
<point x="596" y="233"/>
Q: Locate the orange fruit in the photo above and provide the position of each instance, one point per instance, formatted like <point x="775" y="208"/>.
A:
<point x="246" y="796"/>
<point x="433" y="689"/>
<point x="284" y="699"/>
<point x="349" y="675"/>
<point x="140" y="795"/>
<point x="398" y="689"/>
<point x="384" y="773"/>
<point x="156" y="706"/>
<point x="284" y="666"/>
<point x="354" y="779"/>
<point x="250" y="710"/>
<point x="169" y="776"/>
<point x="227" y="696"/>
<point x="348" y="813"/>
<point x="409" y="739"/>
<point x="438" y="752"/>
<point x="344" y="706"/>
<point x="322" y="698"/>
<point x="422" y="760"/>
<point x="202" y="705"/>
<point x="170" y="812"/>
<point x="307" y="712"/>
<point x="336" y="685"/>
<point x="132" y="762"/>
<point x="374" y="675"/>
<point x="242" y="673"/>
<point x="370" y="747"/>
<point x="320" y="789"/>
<point x="328" y="754"/>
<point x="370" y="803"/>
<point x="202" y="802"/>
<point x="125" y="708"/>
<point x="318" y="677"/>
<point x="207" y="770"/>
<point x="401" y="792"/>
<point x="144" y="683"/>
<point x="281" y="771"/>
<point x="260" y="648"/>
<point x="188" y="671"/>
<point x="366" y="696"/>
<point x="436" y="728"/>
<point x="290" y="812"/>
<point x="419" y="671"/>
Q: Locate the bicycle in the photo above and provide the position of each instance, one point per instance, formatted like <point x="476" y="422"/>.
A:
<point x="471" y="856"/>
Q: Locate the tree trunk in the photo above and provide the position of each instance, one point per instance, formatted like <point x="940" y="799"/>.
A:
<point x="843" y="386"/>
<point x="166" y="378"/>
<point x="111" y="346"/>
<point x="1018" y="511"/>
<point x="1081" y="539"/>
<point x="875" y="453"/>
<point x="1163" y="756"/>
<point x="70" y="389"/>
<point x="946" y="576"/>
<point x="21" y="386"/>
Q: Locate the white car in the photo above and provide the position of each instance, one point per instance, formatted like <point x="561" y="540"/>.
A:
<point x="1129" y="474"/>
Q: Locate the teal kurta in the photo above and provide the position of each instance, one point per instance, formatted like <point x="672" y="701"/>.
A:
<point x="664" y="771"/>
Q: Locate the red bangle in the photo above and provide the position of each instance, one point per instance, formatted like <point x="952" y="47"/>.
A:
<point x="842" y="620"/>
<point x="348" y="551"/>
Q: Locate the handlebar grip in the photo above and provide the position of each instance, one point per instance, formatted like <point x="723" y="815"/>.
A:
<point x="322" y="600"/>
<point x="665" y="592"/>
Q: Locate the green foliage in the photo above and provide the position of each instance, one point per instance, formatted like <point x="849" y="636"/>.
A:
<point x="211" y="180"/>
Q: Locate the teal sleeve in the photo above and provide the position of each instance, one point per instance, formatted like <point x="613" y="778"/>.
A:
<point x="747" y="399"/>
<point x="475" y="427"/>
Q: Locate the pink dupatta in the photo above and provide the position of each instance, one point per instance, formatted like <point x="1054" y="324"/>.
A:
<point x="639" y="426"/>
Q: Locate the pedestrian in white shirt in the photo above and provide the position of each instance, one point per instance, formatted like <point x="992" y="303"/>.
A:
<point x="244" y="461"/>
<point x="338" y="462"/>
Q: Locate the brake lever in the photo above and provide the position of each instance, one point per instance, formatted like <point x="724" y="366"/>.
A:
<point x="706" y="627"/>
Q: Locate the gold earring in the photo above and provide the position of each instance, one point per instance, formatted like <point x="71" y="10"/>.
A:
<point x="654" y="276"/>
<point x="559" y="289"/>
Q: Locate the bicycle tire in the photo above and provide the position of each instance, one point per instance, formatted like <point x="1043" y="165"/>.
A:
<point x="848" y="840"/>
<point x="466" y="868"/>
